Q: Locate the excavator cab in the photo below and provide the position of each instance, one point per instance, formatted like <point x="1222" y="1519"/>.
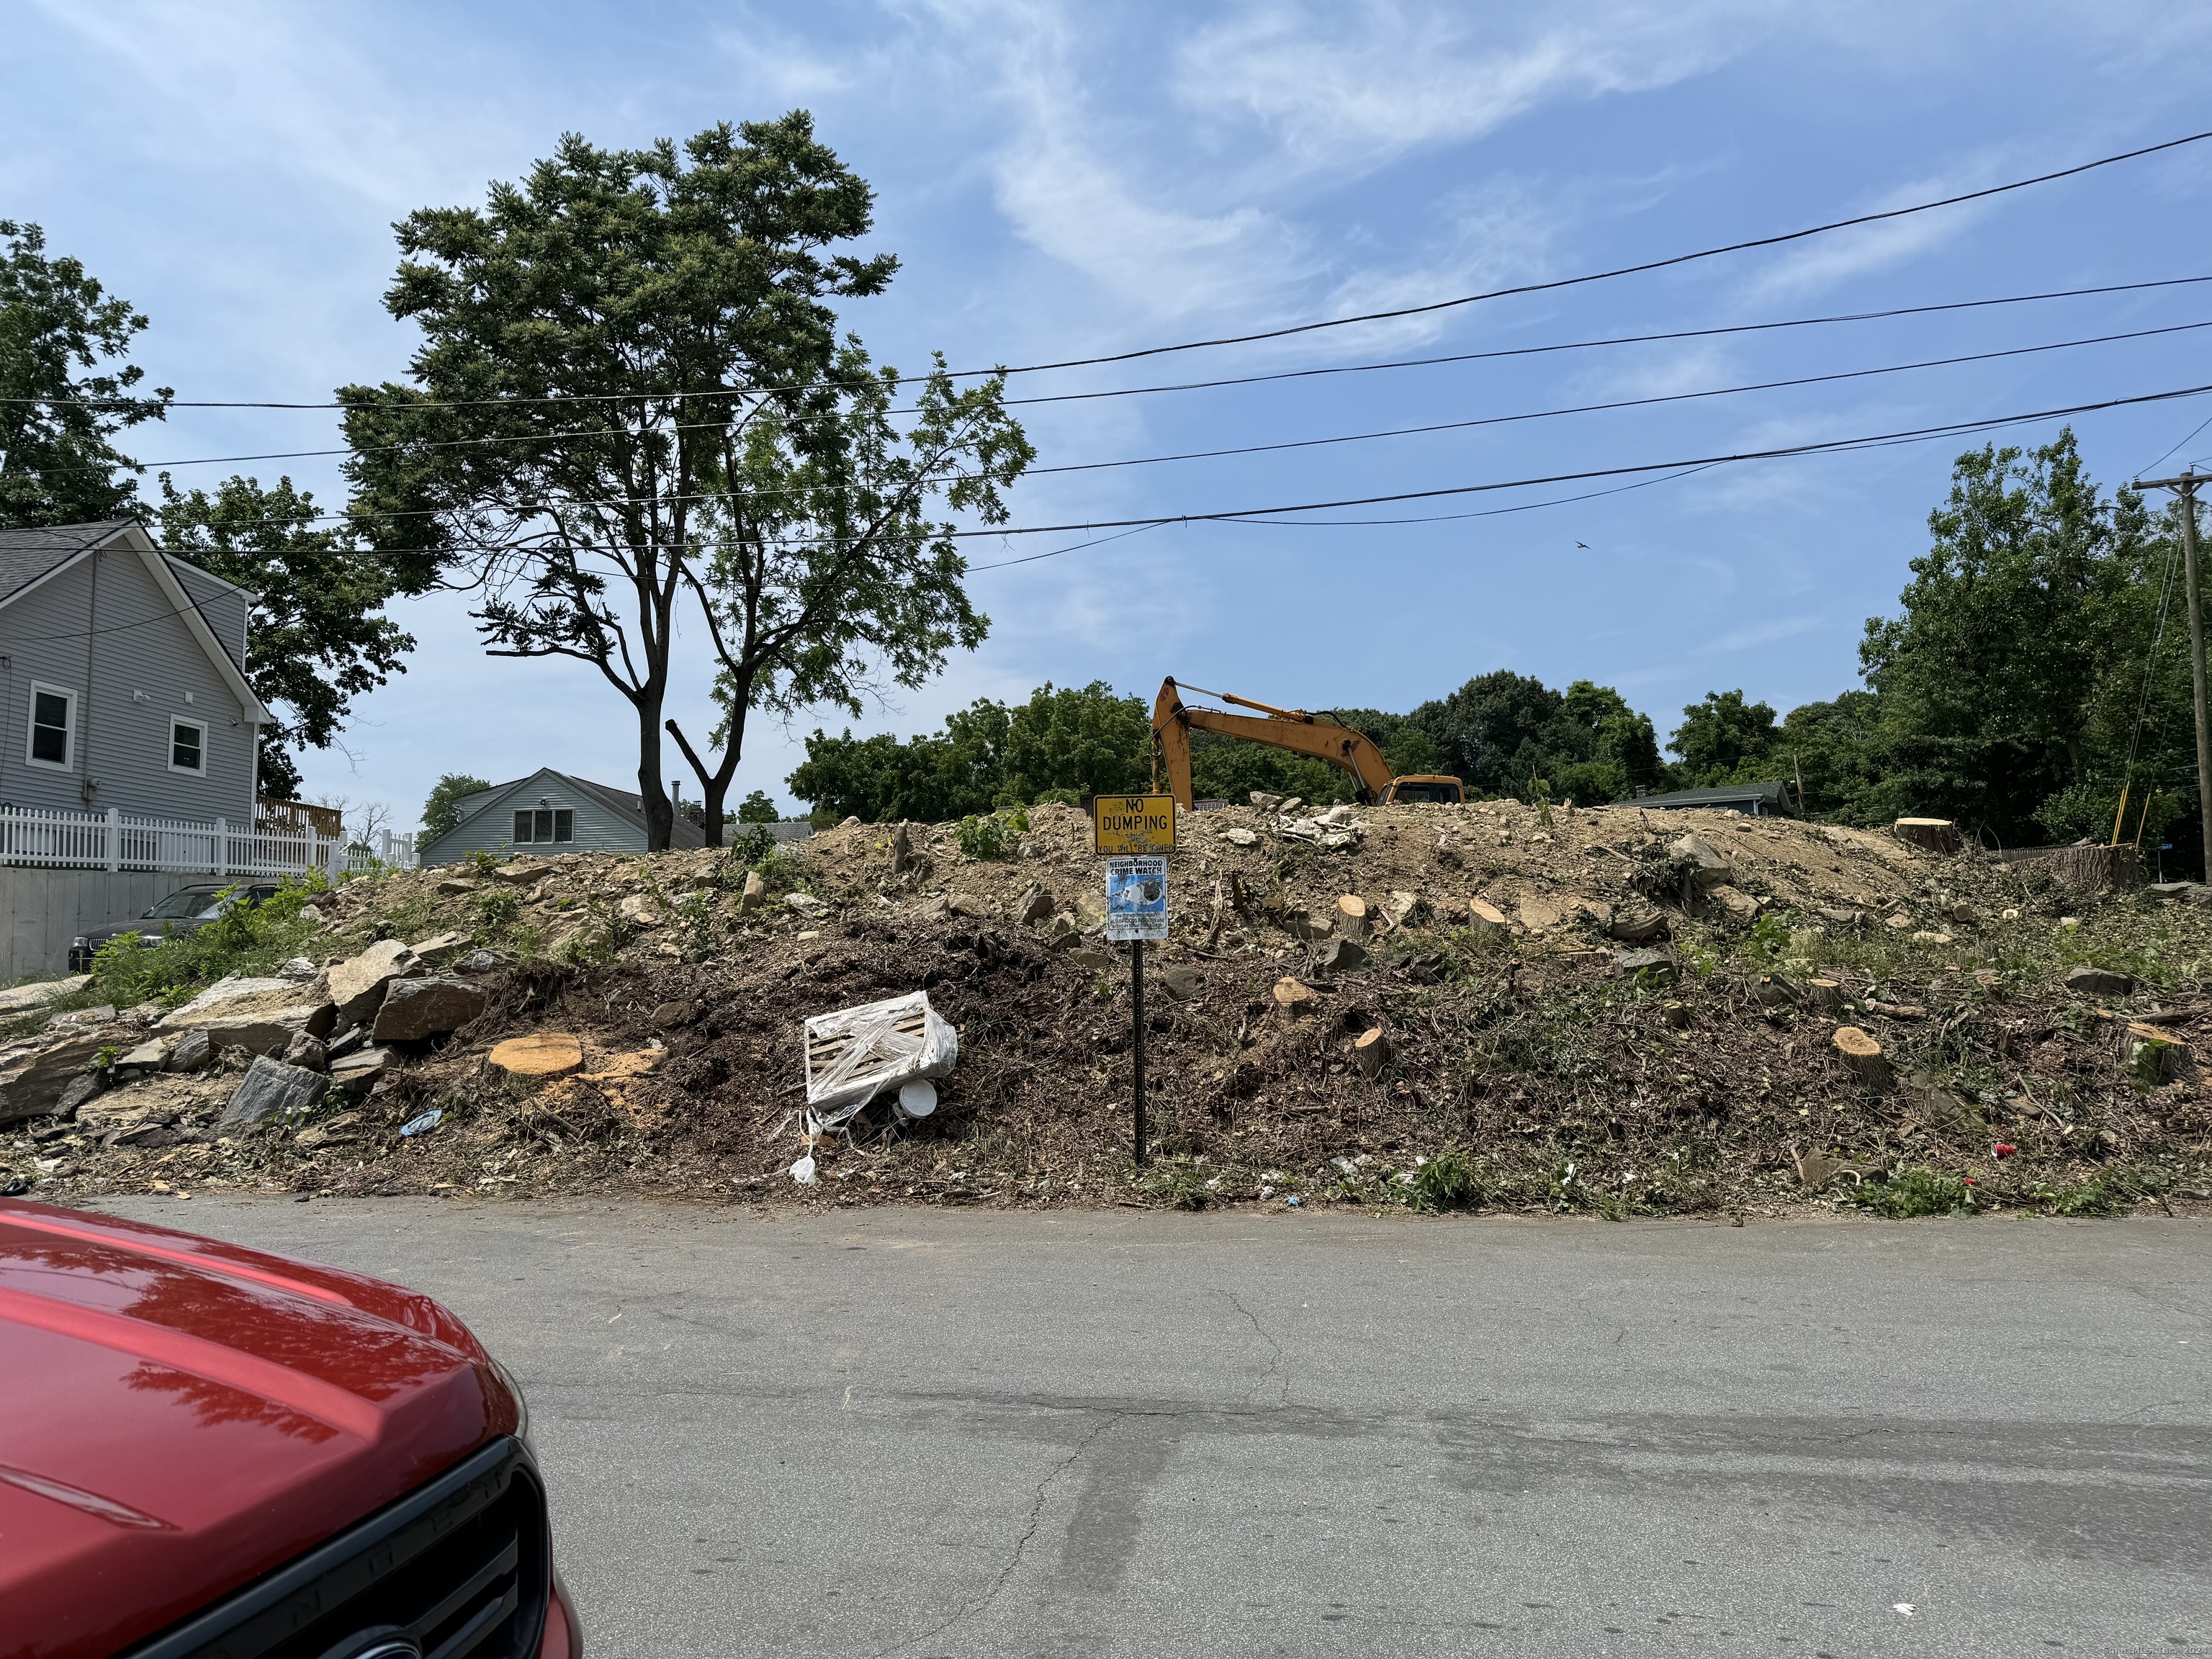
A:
<point x="1426" y="789"/>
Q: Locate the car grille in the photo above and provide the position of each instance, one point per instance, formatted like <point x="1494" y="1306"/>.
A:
<point x="460" y="1567"/>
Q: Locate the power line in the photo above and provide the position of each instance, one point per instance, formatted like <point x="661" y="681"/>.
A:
<point x="1552" y="286"/>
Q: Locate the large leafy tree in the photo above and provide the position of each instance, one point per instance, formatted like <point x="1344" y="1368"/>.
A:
<point x="318" y="636"/>
<point x="441" y="812"/>
<point x="1723" y="739"/>
<point x="630" y="408"/>
<point x="58" y="465"/>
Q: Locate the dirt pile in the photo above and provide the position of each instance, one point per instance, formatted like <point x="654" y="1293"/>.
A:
<point x="1590" y="1014"/>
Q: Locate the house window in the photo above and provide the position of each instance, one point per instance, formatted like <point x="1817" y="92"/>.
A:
<point x="187" y="747"/>
<point x="547" y="823"/>
<point x="52" y="739"/>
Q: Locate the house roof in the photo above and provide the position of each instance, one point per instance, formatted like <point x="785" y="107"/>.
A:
<point x="622" y="803"/>
<point x="1773" y="796"/>
<point x="28" y="557"/>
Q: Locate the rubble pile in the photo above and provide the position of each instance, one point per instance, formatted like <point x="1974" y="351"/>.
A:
<point x="1615" y="1011"/>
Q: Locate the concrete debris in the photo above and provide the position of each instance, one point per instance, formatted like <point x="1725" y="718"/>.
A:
<point x="1659" y="965"/>
<point x="543" y="1054"/>
<point x="415" y="1009"/>
<point x="23" y="999"/>
<point x="271" y="1089"/>
<point x="523" y="873"/>
<point x="2091" y="982"/>
<point x="442" y="949"/>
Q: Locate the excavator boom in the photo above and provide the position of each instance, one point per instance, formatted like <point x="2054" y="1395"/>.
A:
<point x="1173" y="721"/>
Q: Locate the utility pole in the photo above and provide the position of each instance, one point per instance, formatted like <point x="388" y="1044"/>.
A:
<point x="2184" y="488"/>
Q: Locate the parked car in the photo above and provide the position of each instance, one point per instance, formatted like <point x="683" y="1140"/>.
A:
<point x="209" y="1450"/>
<point x="185" y="911"/>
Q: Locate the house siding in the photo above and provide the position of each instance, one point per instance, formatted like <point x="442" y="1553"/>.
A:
<point x="487" y="823"/>
<point x="226" y="608"/>
<point x="104" y="629"/>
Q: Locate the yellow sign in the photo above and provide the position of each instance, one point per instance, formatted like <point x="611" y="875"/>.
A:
<point x="1133" y="826"/>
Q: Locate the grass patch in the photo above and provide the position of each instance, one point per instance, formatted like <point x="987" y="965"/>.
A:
<point x="1175" y="1182"/>
<point x="1446" y="1182"/>
<point x="1917" y="1192"/>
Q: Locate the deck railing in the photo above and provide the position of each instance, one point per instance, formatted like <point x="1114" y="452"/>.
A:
<point x="116" y="840"/>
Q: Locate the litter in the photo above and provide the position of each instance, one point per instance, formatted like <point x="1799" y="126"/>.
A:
<point x="917" y="1098"/>
<point x="803" y="1171"/>
<point x="423" y="1125"/>
<point x="853" y="1054"/>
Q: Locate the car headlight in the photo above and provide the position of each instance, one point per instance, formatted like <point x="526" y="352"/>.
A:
<point x="521" y="1406"/>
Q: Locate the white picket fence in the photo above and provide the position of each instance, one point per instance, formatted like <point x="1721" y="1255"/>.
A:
<point x="116" y="840"/>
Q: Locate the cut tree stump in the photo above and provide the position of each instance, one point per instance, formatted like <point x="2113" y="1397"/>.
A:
<point x="1823" y="996"/>
<point x="542" y="1054"/>
<point x="1293" y="998"/>
<point x="1864" y="1056"/>
<point x="1371" y="1052"/>
<point x="1486" y="919"/>
<point x="1351" y="916"/>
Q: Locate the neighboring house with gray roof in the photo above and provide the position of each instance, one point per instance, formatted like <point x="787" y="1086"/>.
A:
<point x="123" y="679"/>
<point x="549" y="813"/>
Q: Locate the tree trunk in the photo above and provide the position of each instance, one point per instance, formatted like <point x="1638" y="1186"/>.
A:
<point x="715" y="790"/>
<point x="1864" y="1056"/>
<point x="659" y="814"/>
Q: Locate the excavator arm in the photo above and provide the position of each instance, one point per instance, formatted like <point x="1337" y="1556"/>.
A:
<point x="1284" y="728"/>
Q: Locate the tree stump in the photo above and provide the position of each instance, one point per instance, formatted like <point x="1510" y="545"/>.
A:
<point x="1823" y="996"/>
<point x="1371" y="1052"/>
<point x="1293" y="998"/>
<point x="1864" y="1056"/>
<point x="901" y="850"/>
<point x="1487" y="920"/>
<point x="1351" y="916"/>
<point x="546" y="1054"/>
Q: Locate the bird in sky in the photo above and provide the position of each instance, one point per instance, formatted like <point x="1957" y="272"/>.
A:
<point x="1583" y="545"/>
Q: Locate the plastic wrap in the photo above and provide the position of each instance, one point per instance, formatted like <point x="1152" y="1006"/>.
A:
<point x="855" y="1053"/>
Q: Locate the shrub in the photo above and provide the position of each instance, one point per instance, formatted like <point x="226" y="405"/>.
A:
<point x="997" y="836"/>
<point x="242" y="939"/>
<point x="1446" y="1182"/>
<point x="1919" y="1191"/>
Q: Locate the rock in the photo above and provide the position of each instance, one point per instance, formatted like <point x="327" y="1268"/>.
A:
<point x="965" y="904"/>
<point x="1265" y="802"/>
<point x="641" y="912"/>
<point x="1773" y="991"/>
<point x="1035" y="905"/>
<point x="358" y="1072"/>
<point x="85" y="1085"/>
<point x="34" y="1071"/>
<point x="271" y="1089"/>
<point x="306" y="1053"/>
<point x="151" y="1055"/>
<point x="1182" y="983"/>
<point x="2090" y="981"/>
<point x="1659" y="965"/>
<point x="936" y="907"/>
<point x="1924" y="937"/>
<point x="147" y="1133"/>
<point x="345" y="1042"/>
<point x="358" y="985"/>
<point x="417" y="1008"/>
<point x="1097" y="962"/>
<point x="1337" y="816"/>
<point x="1237" y="835"/>
<point x="1312" y="926"/>
<point x="1341" y="956"/>
<point x="804" y="904"/>
<point x="755" y="894"/>
<point x="1639" y="925"/>
<point x="193" y="1052"/>
<point x="1737" y="907"/>
<point x="100" y="1015"/>
<point x="332" y="1131"/>
<point x="673" y="1013"/>
<point x="542" y="1054"/>
<point x="521" y="872"/>
<point x="1293" y="998"/>
<point x="1898" y="922"/>
<point x="455" y="886"/>
<point x="1835" y="916"/>
<point x="22" y="998"/>
<point x="481" y="962"/>
<point x="257" y="1015"/>
<point x="1708" y="869"/>
<point x="2185" y="892"/>
<point x="1943" y="1111"/>
<point x="436" y="952"/>
<point x="297" y="969"/>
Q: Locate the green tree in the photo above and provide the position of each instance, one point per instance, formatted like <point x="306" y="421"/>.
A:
<point x="442" y="811"/>
<point x="630" y="406"/>
<point x="1229" y="769"/>
<point x="1724" y="740"/>
<point x="57" y="464"/>
<point x="1498" y="730"/>
<point x="757" y="808"/>
<point x="317" y="636"/>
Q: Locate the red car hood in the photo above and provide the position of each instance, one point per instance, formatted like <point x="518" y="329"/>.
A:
<point x="180" y="1416"/>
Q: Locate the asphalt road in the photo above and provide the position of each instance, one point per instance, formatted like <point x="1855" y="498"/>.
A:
<point x="942" y="1433"/>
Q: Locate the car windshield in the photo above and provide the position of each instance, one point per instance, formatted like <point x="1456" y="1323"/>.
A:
<point x="1431" y="793"/>
<point x="196" y="902"/>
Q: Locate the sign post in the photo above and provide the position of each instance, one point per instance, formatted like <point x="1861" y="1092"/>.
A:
<point x="1134" y="833"/>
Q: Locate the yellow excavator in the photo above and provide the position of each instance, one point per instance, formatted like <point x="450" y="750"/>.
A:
<point x="1173" y="721"/>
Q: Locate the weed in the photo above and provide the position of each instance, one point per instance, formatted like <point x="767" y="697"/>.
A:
<point x="1446" y="1182"/>
<point x="1769" y="938"/>
<point x="994" y="837"/>
<point x="2090" y="1198"/>
<point x="751" y="846"/>
<point x="1918" y="1191"/>
<point x="480" y="863"/>
<point x="497" y="909"/>
<point x="1178" y="1181"/>
<point x="242" y="939"/>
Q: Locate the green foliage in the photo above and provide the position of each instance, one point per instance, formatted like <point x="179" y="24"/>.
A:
<point x="1446" y="1182"/>
<point x="757" y="808"/>
<point x="1724" y="740"/>
<point x="56" y="465"/>
<point x="498" y="907"/>
<point x="1226" y="768"/>
<point x="754" y="842"/>
<point x="242" y="939"/>
<point x="481" y="863"/>
<point x="318" y="636"/>
<point x="1769" y="938"/>
<point x="2091" y="1198"/>
<point x="441" y="812"/>
<point x="1062" y="743"/>
<point x="1918" y="1191"/>
<point x="998" y="836"/>
<point x="1414" y="753"/>
<point x="789" y="525"/>
<point x="1177" y="1182"/>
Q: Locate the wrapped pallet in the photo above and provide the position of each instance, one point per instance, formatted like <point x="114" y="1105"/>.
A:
<point x="856" y="1053"/>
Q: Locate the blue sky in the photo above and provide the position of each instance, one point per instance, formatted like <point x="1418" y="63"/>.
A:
<point x="1062" y="180"/>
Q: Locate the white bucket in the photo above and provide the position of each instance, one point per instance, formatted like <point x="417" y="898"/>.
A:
<point x="917" y="1098"/>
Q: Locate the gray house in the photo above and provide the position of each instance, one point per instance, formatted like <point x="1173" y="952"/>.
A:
<point x="1758" y="800"/>
<point x="122" y="679"/>
<point x="549" y="812"/>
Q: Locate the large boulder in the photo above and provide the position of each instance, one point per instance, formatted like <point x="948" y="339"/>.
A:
<point x="270" y="1089"/>
<point x="257" y="1015"/>
<point x="23" y="999"/>
<point x="34" y="1071"/>
<point x="2091" y="982"/>
<point x="357" y="985"/>
<point x="417" y="1008"/>
<point x="1709" y="868"/>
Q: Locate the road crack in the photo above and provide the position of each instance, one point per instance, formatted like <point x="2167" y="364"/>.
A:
<point x="1275" y="1366"/>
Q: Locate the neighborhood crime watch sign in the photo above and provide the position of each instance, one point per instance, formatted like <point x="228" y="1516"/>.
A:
<point x="1133" y="826"/>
